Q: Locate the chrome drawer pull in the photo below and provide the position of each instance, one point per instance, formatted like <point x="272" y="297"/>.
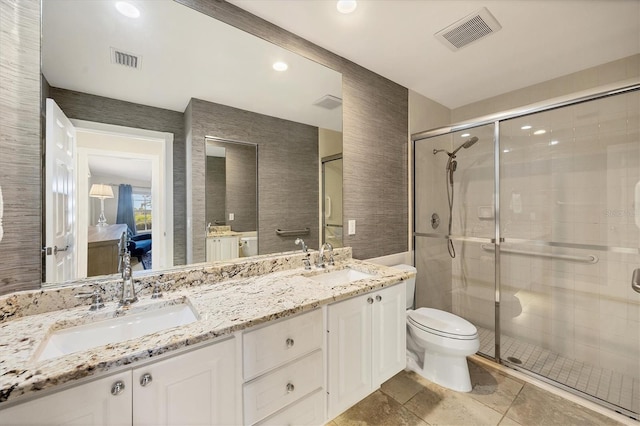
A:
<point x="290" y="343"/>
<point x="378" y="298"/>
<point x="369" y="300"/>
<point x="290" y="387"/>
<point x="117" y="388"/>
<point x="145" y="379"/>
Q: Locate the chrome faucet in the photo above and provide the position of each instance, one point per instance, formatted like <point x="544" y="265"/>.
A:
<point x="305" y="249"/>
<point x="128" y="288"/>
<point x="331" y="262"/>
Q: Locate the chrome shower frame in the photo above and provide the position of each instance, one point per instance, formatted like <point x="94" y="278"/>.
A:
<point x="495" y="120"/>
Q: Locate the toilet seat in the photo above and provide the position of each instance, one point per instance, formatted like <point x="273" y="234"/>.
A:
<point x="442" y="324"/>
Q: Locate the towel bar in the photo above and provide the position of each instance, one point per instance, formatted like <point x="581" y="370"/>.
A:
<point x="292" y="232"/>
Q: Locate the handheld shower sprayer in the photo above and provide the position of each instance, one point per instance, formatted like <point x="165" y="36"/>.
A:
<point x="452" y="166"/>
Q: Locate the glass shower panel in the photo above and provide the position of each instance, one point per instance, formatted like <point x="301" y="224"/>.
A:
<point x="332" y="201"/>
<point x="568" y="216"/>
<point x="454" y="180"/>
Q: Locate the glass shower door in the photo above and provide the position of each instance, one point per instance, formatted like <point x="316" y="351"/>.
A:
<point x="570" y="191"/>
<point x="454" y="179"/>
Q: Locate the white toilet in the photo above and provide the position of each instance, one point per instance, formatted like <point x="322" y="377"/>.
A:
<point x="249" y="246"/>
<point x="438" y="343"/>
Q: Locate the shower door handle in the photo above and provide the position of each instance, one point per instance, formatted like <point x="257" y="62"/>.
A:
<point x="635" y="280"/>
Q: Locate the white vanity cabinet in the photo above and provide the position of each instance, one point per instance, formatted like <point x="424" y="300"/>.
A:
<point x="106" y="401"/>
<point x="222" y="248"/>
<point x="284" y="372"/>
<point x="195" y="388"/>
<point x="366" y="345"/>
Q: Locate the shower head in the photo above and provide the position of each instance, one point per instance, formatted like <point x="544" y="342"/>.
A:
<point x="468" y="144"/>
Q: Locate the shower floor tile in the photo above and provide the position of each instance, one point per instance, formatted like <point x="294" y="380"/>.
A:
<point x="607" y="385"/>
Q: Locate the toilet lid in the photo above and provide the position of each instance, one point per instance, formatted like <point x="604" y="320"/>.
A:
<point x="442" y="321"/>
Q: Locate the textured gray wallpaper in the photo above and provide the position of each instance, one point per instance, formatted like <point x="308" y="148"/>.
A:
<point x="375" y="137"/>
<point x="83" y="106"/>
<point x="287" y="177"/>
<point x="20" y="259"/>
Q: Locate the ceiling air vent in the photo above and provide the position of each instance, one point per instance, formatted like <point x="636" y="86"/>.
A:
<point x="471" y="28"/>
<point x="328" y="102"/>
<point x="126" y="59"/>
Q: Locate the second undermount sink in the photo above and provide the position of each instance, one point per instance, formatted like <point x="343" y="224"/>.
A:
<point x="129" y="326"/>
<point x="341" y="276"/>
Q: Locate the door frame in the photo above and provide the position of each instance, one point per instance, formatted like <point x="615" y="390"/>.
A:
<point x="161" y="187"/>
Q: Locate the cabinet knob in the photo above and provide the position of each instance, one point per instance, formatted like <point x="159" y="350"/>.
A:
<point x="145" y="379"/>
<point x="290" y="387"/>
<point x="117" y="388"/>
<point x="370" y="300"/>
<point x="378" y="298"/>
<point x="290" y="343"/>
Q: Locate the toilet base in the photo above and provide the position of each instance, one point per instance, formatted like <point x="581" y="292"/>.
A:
<point x="451" y="372"/>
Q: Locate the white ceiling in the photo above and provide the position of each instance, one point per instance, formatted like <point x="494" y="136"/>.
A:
<point x="184" y="54"/>
<point x="539" y="40"/>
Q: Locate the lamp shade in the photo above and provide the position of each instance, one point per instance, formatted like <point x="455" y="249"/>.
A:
<point x="99" y="190"/>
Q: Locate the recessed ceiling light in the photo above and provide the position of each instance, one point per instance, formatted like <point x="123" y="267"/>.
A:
<point x="280" y="66"/>
<point x="506" y="150"/>
<point x="127" y="9"/>
<point x="346" y="6"/>
<point x="553" y="143"/>
<point x="527" y="127"/>
<point x="465" y="135"/>
<point x="540" y="132"/>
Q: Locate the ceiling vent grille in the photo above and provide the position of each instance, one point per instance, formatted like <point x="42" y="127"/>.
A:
<point x="126" y="59"/>
<point x="328" y="102"/>
<point x="469" y="29"/>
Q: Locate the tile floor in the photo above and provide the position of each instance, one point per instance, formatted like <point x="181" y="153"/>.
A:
<point x="496" y="399"/>
<point x="616" y="388"/>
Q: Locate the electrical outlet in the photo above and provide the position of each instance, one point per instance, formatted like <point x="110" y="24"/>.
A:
<point x="352" y="227"/>
<point x="232" y="216"/>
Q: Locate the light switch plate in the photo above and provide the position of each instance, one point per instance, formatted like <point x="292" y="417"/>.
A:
<point x="352" y="227"/>
<point x="232" y="216"/>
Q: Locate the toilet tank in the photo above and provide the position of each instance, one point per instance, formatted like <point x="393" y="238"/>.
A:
<point x="411" y="283"/>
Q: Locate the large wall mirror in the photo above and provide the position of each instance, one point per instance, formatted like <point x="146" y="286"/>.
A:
<point x="134" y="100"/>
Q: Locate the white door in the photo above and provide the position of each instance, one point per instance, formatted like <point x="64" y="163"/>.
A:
<point x="389" y="333"/>
<point x="349" y="353"/>
<point x="197" y="388"/>
<point x="60" y="201"/>
<point x="92" y="404"/>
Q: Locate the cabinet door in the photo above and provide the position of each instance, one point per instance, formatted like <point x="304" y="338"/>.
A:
<point x="90" y="404"/>
<point x="389" y="333"/>
<point x="349" y="343"/>
<point x="196" y="388"/>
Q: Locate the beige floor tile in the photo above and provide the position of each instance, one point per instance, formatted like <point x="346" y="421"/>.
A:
<point x="506" y="421"/>
<point x="403" y="386"/>
<point x="534" y="406"/>
<point x="439" y="406"/>
<point x="493" y="388"/>
<point x="378" y="409"/>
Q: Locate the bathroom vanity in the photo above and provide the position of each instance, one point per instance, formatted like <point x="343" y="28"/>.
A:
<point x="272" y="343"/>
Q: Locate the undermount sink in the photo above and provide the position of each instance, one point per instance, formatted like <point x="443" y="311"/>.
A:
<point x="131" y="325"/>
<point x="342" y="276"/>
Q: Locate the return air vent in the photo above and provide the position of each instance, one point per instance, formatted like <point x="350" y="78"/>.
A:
<point x="328" y="102"/>
<point x="126" y="59"/>
<point x="469" y="29"/>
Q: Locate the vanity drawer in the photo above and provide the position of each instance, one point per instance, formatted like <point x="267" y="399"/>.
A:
<point x="279" y="343"/>
<point x="271" y="392"/>
<point x="309" y="411"/>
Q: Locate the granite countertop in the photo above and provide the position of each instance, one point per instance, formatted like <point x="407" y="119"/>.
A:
<point x="227" y="297"/>
<point x="223" y="234"/>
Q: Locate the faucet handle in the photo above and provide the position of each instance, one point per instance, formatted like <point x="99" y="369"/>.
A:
<point x="96" y="302"/>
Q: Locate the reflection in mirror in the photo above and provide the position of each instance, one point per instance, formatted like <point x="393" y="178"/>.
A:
<point x="182" y="55"/>
<point x="231" y="199"/>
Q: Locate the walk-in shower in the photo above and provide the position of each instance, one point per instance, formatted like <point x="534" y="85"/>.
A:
<point x="450" y="169"/>
<point x="547" y="239"/>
